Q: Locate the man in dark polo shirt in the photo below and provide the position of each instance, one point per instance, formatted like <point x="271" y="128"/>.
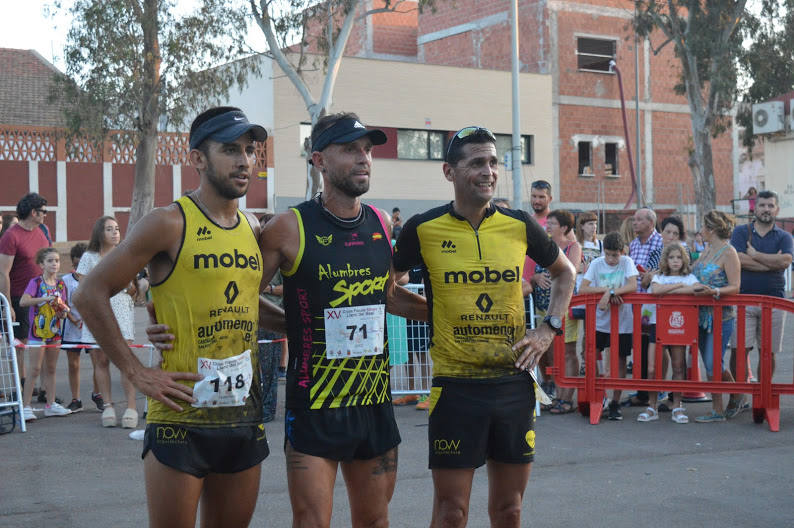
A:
<point x="18" y="248"/>
<point x="765" y="251"/>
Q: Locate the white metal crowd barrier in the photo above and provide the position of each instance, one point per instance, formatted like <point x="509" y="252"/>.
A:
<point x="10" y="384"/>
<point x="409" y="342"/>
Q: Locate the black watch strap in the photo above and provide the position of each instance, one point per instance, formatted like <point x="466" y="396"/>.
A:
<point x="555" y="323"/>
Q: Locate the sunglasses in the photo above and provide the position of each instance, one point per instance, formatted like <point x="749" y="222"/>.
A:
<point x="541" y="184"/>
<point x="463" y="133"/>
<point x="41" y="211"/>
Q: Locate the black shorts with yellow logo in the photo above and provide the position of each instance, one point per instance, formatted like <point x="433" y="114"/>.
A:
<point x="200" y="451"/>
<point x="360" y="432"/>
<point x="472" y="420"/>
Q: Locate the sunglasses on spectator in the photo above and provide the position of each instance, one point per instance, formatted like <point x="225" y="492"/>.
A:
<point x="41" y="211"/>
<point x="463" y="133"/>
<point x="541" y="184"/>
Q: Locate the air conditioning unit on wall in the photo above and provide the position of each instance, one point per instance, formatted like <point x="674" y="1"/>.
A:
<point x="768" y="117"/>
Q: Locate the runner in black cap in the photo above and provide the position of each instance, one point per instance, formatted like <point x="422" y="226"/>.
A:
<point x="205" y="438"/>
<point x="334" y="253"/>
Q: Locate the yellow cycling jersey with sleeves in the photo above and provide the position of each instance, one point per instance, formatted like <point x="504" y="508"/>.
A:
<point x="473" y="285"/>
<point x="210" y="300"/>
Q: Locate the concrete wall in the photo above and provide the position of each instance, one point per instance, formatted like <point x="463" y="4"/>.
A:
<point x="408" y="95"/>
<point x="779" y="160"/>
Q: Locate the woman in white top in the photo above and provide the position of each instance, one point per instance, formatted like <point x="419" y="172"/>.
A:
<point x="105" y="236"/>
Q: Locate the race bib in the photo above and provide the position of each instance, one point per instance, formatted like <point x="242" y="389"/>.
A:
<point x="226" y="381"/>
<point x="354" y="331"/>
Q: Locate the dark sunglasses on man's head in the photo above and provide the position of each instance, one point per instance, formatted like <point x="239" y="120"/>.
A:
<point x="463" y="133"/>
<point x="541" y="184"/>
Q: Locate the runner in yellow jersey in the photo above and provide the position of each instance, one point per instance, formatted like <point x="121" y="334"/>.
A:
<point x="205" y="436"/>
<point x="482" y="401"/>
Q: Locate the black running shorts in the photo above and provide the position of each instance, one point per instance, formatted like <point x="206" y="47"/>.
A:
<point x="200" y="451"/>
<point x="344" y="433"/>
<point x="625" y="342"/>
<point x="22" y="329"/>
<point x="475" y="420"/>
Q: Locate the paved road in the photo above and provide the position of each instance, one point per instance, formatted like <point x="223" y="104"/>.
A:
<point x="70" y="472"/>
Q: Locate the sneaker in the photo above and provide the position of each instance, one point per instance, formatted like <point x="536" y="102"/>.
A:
<point x="649" y="415"/>
<point x="97" y="399"/>
<point x="29" y="415"/>
<point x="75" y="406"/>
<point x="733" y="410"/>
<point x="56" y="409"/>
<point x="614" y="412"/>
<point x="109" y="417"/>
<point x="424" y="403"/>
<point x="405" y="400"/>
<point x="41" y="395"/>
<point x="712" y="417"/>
<point x="129" y="420"/>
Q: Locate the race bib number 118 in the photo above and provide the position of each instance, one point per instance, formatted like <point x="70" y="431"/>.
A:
<point x="226" y="382"/>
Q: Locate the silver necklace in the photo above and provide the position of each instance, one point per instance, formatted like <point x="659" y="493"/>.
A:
<point x="344" y="221"/>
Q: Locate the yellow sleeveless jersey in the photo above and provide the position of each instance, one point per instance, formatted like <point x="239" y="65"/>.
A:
<point x="473" y="285"/>
<point x="211" y="302"/>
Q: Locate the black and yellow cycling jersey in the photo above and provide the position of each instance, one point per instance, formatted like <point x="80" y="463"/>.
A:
<point x="473" y="284"/>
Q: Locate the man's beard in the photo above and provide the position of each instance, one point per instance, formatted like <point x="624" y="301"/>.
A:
<point x="223" y="186"/>
<point x="765" y="222"/>
<point x="347" y="186"/>
<point x="538" y="208"/>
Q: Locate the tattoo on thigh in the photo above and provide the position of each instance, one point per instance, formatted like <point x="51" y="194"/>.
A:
<point x="295" y="460"/>
<point x="386" y="463"/>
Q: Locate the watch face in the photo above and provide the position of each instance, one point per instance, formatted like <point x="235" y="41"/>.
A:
<point x="556" y="322"/>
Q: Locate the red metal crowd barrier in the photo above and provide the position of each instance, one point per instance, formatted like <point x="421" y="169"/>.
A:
<point x="677" y="324"/>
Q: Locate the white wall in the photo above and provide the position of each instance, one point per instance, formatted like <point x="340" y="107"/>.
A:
<point x="256" y="100"/>
<point x="779" y="161"/>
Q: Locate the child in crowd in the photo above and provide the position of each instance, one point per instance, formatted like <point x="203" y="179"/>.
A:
<point x="612" y="275"/>
<point x="674" y="277"/>
<point x="72" y="328"/>
<point x="592" y="248"/>
<point x="587" y="235"/>
<point x="44" y="296"/>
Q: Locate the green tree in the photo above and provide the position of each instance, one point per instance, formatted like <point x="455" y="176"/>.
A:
<point x="135" y="65"/>
<point x="297" y="31"/>
<point x="707" y="38"/>
<point x="768" y="62"/>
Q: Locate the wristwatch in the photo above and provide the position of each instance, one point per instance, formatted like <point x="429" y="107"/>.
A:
<point x="611" y="291"/>
<point x="554" y="322"/>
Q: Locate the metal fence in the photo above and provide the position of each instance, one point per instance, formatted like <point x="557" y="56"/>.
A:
<point x="10" y="386"/>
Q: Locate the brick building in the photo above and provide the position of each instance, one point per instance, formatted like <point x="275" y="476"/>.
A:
<point x="571" y="42"/>
<point x="80" y="181"/>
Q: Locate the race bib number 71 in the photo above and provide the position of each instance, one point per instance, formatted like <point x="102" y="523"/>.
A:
<point x="226" y="381"/>
<point x="354" y="331"/>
